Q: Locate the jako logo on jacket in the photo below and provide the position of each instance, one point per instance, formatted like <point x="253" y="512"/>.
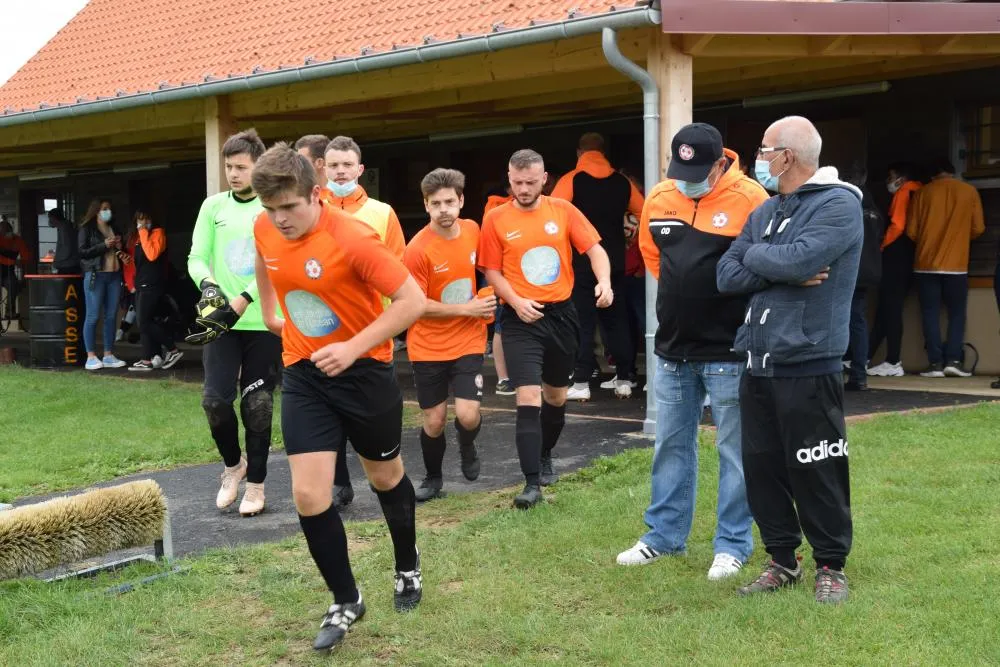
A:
<point x="822" y="451"/>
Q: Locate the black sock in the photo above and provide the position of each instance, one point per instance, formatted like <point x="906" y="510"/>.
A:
<point x="785" y="558"/>
<point x="467" y="437"/>
<point x="398" y="506"/>
<point x="834" y="564"/>
<point x="553" y="419"/>
<point x="433" y="451"/>
<point x="328" y="545"/>
<point x="528" y="436"/>
<point x="341" y="477"/>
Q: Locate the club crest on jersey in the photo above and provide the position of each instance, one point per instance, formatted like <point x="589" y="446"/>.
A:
<point x="314" y="269"/>
<point x="720" y="220"/>
<point x="551" y="227"/>
<point x="685" y="152"/>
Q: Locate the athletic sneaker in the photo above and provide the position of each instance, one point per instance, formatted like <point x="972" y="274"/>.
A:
<point x="470" y="462"/>
<point x="253" y="500"/>
<point x="887" y="370"/>
<point x="342" y="496"/>
<point x="640" y="554"/>
<point x="141" y="366"/>
<point x="429" y="489"/>
<point x="547" y="476"/>
<point x="505" y="388"/>
<point x="831" y="586"/>
<point x="231" y="478"/>
<point x="531" y="496"/>
<point x="771" y="579"/>
<point x="724" y="565"/>
<point x="336" y="622"/>
<point x="172" y="358"/>
<point x="111" y="361"/>
<point x="409" y="589"/>
<point x="94" y="364"/>
<point x="613" y="383"/>
<point x="935" y="371"/>
<point x="580" y="391"/>
<point x="954" y="370"/>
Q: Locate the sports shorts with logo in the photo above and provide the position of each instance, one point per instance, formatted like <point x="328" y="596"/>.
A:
<point x="433" y="378"/>
<point x="363" y="405"/>
<point x="543" y="351"/>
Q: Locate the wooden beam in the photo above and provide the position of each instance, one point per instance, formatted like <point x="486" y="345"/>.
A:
<point x="695" y="44"/>
<point x="672" y="69"/>
<point x="219" y="126"/>
<point x="795" y="46"/>
<point x="822" y="46"/>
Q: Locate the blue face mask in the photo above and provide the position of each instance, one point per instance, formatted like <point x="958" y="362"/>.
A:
<point x="342" y="190"/>
<point x="762" y="172"/>
<point x="105" y="215"/>
<point x="694" y="190"/>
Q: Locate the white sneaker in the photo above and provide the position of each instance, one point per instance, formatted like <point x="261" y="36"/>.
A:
<point x="955" y="370"/>
<point x="580" y="391"/>
<point x="171" y="359"/>
<point x="231" y="478"/>
<point x="887" y="370"/>
<point x="640" y="554"/>
<point x="623" y="389"/>
<point x="253" y="500"/>
<point x="613" y="383"/>
<point x="94" y="364"/>
<point x="724" y="566"/>
<point x="933" y="372"/>
<point x="111" y="361"/>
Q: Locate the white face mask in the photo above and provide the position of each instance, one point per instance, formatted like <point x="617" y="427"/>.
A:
<point x="105" y="215"/>
<point x="895" y="186"/>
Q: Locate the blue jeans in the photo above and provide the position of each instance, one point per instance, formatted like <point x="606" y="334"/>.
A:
<point x="952" y="290"/>
<point x="101" y="293"/>
<point x="680" y="392"/>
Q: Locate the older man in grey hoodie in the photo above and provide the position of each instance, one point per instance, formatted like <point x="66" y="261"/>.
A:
<point x="798" y="257"/>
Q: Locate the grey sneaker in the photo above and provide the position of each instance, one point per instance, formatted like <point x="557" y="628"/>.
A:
<point x="531" y="496"/>
<point x="831" y="586"/>
<point x="771" y="579"/>
<point x="336" y="622"/>
<point x="954" y="370"/>
<point x="935" y="371"/>
<point x="429" y="489"/>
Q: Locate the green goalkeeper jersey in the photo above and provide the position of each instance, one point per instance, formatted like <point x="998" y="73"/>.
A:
<point x="223" y="250"/>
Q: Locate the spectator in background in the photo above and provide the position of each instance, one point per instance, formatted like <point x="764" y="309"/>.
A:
<point x="127" y="305"/>
<point x="897" y="273"/>
<point x="99" y="243"/>
<point x="944" y="218"/>
<point x="12" y="250"/>
<point x="150" y="286"/>
<point x="869" y="275"/>
<point x="604" y="196"/>
<point x="67" y="260"/>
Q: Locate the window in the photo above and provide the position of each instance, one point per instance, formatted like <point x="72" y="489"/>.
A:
<point x="981" y="127"/>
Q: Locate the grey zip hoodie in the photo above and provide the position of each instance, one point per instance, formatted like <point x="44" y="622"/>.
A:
<point x="789" y="330"/>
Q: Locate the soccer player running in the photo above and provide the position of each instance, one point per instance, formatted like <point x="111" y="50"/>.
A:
<point x="526" y="250"/>
<point x="343" y="169"/>
<point x="326" y="270"/>
<point x="239" y="351"/>
<point x="447" y="344"/>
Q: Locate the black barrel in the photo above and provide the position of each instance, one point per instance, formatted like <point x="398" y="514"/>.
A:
<point x="56" y="320"/>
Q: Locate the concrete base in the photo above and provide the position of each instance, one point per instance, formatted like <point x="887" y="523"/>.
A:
<point x="974" y="386"/>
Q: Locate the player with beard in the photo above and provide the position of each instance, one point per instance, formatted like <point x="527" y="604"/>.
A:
<point x="526" y="250"/>
<point x="447" y="344"/>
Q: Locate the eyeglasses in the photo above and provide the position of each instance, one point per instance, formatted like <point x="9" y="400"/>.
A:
<point x="764" y="150"/>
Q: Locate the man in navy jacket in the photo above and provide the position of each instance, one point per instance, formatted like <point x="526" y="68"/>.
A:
<point x="797" y="257"/>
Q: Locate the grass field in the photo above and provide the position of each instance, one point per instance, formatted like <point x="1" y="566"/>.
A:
<point x="65" y="430"/>
<point x="505" y="587"/>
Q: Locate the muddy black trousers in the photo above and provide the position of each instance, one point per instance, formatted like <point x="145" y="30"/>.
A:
<point x="795" y="463"/>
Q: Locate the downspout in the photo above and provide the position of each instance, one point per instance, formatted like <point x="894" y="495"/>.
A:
<point x="640" y="17"/>
<point x="651" y="176"/>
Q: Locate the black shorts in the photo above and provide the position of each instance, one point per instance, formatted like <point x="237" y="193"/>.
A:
<point x="544" y="351"/>
<point x="250" y="360"/>
<point x="363" y="404"/>
<point x="464" y="375"/>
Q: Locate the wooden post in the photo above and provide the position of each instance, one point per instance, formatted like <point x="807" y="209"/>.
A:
<point x="673" y="71"/>
<point x="218" y="127"/>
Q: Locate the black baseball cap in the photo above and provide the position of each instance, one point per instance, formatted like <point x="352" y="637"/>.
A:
<point x="694" y="149"/>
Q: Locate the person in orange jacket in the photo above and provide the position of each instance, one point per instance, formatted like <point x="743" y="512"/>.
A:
<point x="897" y="272"/>
<point x="944" y="218"/>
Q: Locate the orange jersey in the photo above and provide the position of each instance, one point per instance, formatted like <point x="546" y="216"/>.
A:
<point x="534" y="249"/>
<point x="328" y="282"/>
<point x="445" y="269"/>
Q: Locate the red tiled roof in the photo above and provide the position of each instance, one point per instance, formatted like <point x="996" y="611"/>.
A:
<point x="133" y="45"/>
